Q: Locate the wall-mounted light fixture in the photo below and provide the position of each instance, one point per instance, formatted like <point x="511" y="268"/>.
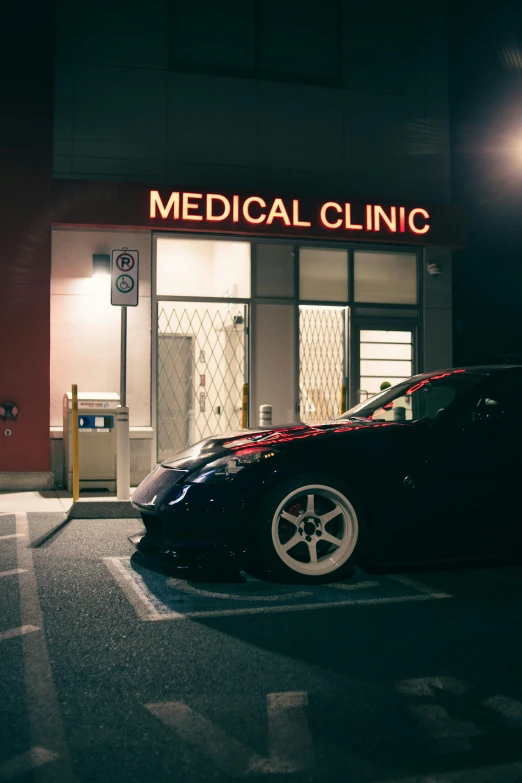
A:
<point x="433" y="268"/>
<point x="101" y="264"/>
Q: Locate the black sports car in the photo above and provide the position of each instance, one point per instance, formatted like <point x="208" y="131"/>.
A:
<point x="428" y="469"/>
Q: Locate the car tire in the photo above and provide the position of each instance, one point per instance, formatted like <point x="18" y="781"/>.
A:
<point x="325" y="520"/>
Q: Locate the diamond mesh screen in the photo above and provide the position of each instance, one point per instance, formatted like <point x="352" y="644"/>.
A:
<point x="201" y="372"/>
<point x="321" y="361"/>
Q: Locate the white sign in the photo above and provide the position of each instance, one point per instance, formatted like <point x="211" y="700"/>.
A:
<point x="125" y="277"/>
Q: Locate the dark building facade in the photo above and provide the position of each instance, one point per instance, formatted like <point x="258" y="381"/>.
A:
<point x="282" y="168"/>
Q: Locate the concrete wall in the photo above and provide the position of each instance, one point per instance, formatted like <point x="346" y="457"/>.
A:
<point x="85" y="336"/>
<point x="85" y="327"/>
<point x="438" y="318"/>
<point x="377" y="126"/>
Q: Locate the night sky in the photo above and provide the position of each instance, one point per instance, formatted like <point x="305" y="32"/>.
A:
<point x="486" y="108"/>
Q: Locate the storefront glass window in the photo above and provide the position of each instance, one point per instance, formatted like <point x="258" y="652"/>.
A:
<point x="385" y="357"/>
<point x="202" y="267"/>
<point x="323" y="274"/>
<point x="385" y="277"/>
<point x="275" y="270"/>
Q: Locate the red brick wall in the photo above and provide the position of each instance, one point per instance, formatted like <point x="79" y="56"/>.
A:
<point x="26" y="83"/>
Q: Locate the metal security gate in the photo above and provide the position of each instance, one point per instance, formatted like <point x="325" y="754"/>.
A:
<point x="202" y="366"/>
<point x="322" y="361"/>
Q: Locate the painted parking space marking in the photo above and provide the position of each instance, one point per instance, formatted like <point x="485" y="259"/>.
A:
<point x="41" y="702"/>
<point x="448" y="734"/>
<point x="20" y="631"/>
<point x="413" y="583"/>
<point x="157" y="596"/>
<point x="509" y="710"/>
<point x="290" y="745"/>
<point x="248" y="594"/>
<point x="431" y="686"/>
<point x="356" y="586"/>
<point x="13" y="571"/>
<point x="12" y="535"/>
<point x="143" y="600"/>
<point x="25" y="762"/>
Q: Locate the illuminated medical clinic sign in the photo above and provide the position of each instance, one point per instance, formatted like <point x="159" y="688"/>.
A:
<point x="249" y="214"/>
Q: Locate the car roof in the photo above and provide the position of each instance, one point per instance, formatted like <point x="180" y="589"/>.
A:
<point x="480" y="369"/>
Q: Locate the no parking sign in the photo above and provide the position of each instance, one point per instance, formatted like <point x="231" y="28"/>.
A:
<point x="124" y="277"/>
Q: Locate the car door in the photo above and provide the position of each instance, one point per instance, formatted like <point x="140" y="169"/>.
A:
<point x="471" y="472"/>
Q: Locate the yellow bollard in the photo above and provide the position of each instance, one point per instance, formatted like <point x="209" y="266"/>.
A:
<point x="343" y="399"/>
<point x="75" y="459"/>
<point x="244" y="408"/>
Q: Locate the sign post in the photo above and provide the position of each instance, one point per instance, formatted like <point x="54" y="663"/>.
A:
<point x="124" y="293"/>
<point x="75" y="450"/>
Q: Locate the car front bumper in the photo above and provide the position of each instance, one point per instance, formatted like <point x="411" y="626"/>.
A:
<point x="193" y="525"/>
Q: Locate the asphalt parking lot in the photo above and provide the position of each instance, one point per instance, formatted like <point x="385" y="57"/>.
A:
<point x="117" y="671"/>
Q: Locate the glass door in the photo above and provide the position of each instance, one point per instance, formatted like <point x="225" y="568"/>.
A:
<point x="385" y="357"/>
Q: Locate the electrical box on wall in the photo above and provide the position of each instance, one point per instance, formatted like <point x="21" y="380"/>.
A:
<point x="96" y="440"/>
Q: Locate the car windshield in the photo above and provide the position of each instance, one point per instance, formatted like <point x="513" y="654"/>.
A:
<point x="416" y="399"/>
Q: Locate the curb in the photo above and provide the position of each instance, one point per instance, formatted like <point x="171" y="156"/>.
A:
<point x="103" y="509"/>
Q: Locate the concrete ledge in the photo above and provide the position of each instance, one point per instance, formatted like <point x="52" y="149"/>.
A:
<point x="17" y="481"/>
<point x="103" y="509"/>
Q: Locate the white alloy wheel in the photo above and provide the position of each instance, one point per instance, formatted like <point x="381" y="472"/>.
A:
<point x="314" y="530"/>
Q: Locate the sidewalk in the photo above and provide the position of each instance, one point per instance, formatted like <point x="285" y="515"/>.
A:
<point x="90" y="505"/>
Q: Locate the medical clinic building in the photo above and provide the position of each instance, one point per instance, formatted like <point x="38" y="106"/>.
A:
<point x="286" y="185"/>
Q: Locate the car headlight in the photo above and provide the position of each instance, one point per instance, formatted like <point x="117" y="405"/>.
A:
<point x="225" y="468"/>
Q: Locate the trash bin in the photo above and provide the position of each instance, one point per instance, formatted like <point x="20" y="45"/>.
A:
<point x="96" y="439"/>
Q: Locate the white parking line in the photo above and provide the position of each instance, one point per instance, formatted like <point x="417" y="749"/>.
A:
<point x="510" y="710"/>
<point x="448" y="734"/>
<point x="180" y="584"/>
<point x="43" y="713"/>
<point x="137" y="592"/>
<point x="415" y="585"/>
<point x="13" y="571"/>
<point x="290" y="746"/>
<point x="149" y="607"/>
<point x="20" y="631"/>
<point x="12" y="535"/>
<point x="18" y="765"/>
<point x="356" y="586"/>
<point x="300" y="607"/>
<point x="430" y="686"/>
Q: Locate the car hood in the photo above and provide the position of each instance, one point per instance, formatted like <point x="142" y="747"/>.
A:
<point x="212" y="448"/>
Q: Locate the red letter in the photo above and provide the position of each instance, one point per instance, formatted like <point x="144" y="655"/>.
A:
<point x="235" y="209"/>
<point x="246" y="213"/>
<point x="278" y="211"/>
<point x="295" y="215"/>
<point x="173" y="203"/>
<point x="402" y="219"/>
<point x="348" y="221"/>
<point x="368" y="217"/>
<point x="226" y="203"/>
<point x="412" y="225"/>
<point x="390" y="222"/>
<point x="188" y="206"/>
<point x="330" y="205"/>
